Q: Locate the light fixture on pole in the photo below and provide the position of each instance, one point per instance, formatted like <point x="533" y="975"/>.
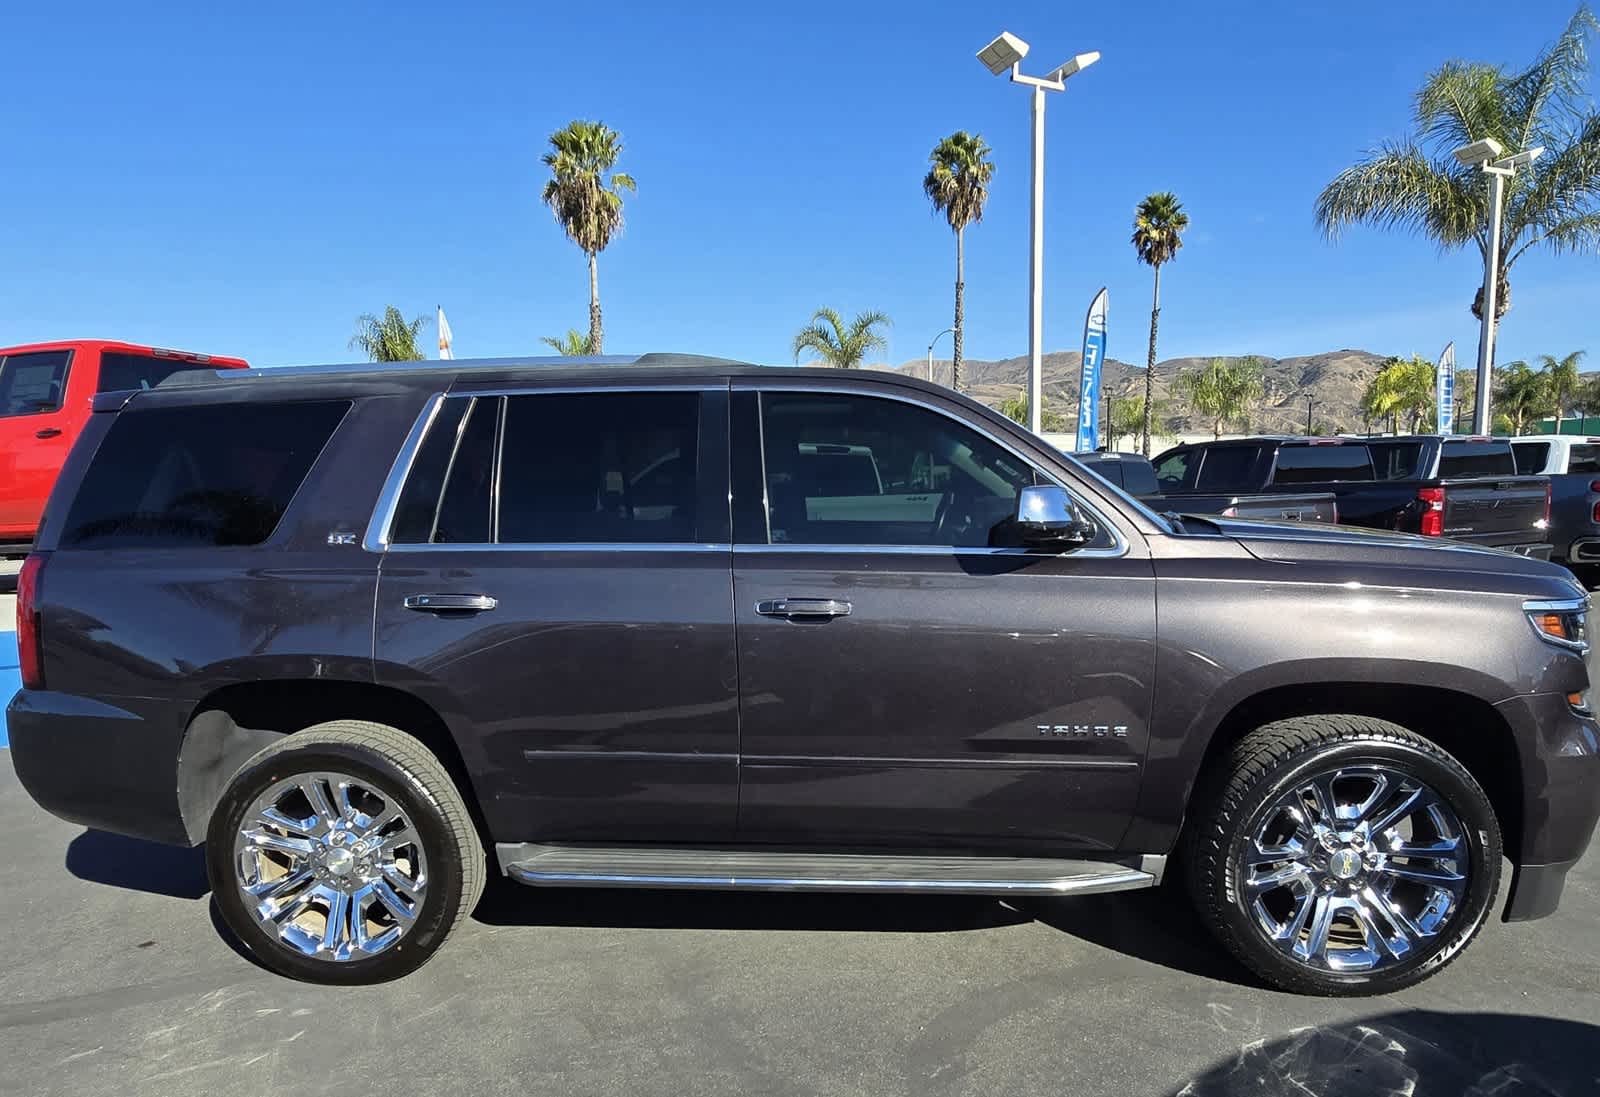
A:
<point x="935" y="339"/>
<point x="1006" y="52"/>
<point x="1485" y="156"/>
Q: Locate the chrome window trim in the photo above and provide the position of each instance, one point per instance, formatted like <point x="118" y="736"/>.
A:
<point x="1119" y="546"/>
<point x="568" y="546"/>
<point x="573" y="390"/>
<point x="376" y="539"/>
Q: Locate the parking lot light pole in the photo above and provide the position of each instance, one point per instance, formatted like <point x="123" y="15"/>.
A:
<point x="935" y="339"/>
<point x="1007" y="52"/>
<point x="1485" y="156"/>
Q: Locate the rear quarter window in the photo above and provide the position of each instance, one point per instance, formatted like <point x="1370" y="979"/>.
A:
<point x="1465" y="459"/>
<point x="33" y="383"/>
<point x="198" y="476"/>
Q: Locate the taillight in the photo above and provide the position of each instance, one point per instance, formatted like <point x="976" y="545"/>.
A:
<point x="29" y="654"/>
<point x="1594" y="485"/>
<point x="1432" y="500"/>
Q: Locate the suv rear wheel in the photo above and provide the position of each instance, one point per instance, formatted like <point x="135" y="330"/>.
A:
<point x="343" y="854"/>
<point x="1343" y="855"/>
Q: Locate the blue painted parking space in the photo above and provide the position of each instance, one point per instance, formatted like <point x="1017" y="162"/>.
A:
<point x="10" y="680"/>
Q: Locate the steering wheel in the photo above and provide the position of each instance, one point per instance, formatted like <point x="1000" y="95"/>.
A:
<point x="945" y="531"/>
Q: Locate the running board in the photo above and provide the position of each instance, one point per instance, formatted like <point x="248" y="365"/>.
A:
<point x="801" y="870"/>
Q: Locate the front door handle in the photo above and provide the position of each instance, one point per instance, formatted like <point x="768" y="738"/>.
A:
<point x="803" y="607"/>
<point x="48" y="432"/>
<point x="451" y="603"/>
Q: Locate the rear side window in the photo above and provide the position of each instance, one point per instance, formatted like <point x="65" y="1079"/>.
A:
<point x="598" y="468"/>
<point x="1531" y="456"/>
<point x="32" y="383"/>
<point x="1227" y="468"/>
<point x="447" y="497"/>
<point x="198" y="476"/>
<point x="1584" y="459"/>
<point x="120" y="371"/>
<point x="1476" y="459"/>
<point x="1321" y="464"/>
<point x="1395" y="460"/>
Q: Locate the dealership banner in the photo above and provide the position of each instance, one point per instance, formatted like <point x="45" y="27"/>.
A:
<point x="1444" y="387"/>
<point x="1094" y="354"/>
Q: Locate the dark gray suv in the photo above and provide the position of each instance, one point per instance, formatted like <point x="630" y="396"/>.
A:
<point x="367" y="632"/>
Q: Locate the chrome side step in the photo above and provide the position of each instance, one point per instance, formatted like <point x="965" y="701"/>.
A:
<point x="803" y="870"/>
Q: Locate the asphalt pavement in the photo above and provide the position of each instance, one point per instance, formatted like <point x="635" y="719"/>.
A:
<point x="117" y="980"/>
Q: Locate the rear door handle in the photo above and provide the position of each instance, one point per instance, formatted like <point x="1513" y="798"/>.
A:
<point x="48" y="432"/>
<point x="451" y="603"/>
<point x="803" y="607"/>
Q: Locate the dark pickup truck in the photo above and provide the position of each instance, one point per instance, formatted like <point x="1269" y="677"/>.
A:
<point x="1135" y="475"/>
<point x="372" y="633"/>
<point x="1467" y="489"/>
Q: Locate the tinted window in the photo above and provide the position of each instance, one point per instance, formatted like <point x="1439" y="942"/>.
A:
<point x="32" y="383"/>
<point x="1227" y="468"/>
<point x="139" y="371"/>
<point x="1476" y="459"/>
<point x="1109" y="469"/>
<point x="1584" y="459"/>
<point x="1138" y="478"/>
<point x="590" y="468"/>
<point x="918" y="477"/>
<point x="447" y="498"/>
<point x="1531" y="456"/>
<point x="1321" y="463"/>
<point x="1395" y="460"/>
<point x="1173" y="469"/>
<point x="181" y="477"/>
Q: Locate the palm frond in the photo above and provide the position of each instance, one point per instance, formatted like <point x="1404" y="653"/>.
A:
<point x="1396" y="186"/>
<point x="1553" y="85"/>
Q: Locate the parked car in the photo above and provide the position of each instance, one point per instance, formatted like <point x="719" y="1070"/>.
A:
<point x="371" y="633"/>
<point x="45" y="391"/>
<point x="1572" y="465"/>
<point x="1134" y="474"/>
<point x="1463" y="488"/>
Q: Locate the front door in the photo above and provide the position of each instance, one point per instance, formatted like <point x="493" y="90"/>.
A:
<point x="908" y="677"/>
<point x="557" y="586"/>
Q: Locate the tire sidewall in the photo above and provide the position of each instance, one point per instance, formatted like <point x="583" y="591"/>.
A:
<point x="1480" y="830"/>
<point x="445" y="876"/>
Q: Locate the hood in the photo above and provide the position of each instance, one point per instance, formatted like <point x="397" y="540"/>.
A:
<point x="1449" y="561"/>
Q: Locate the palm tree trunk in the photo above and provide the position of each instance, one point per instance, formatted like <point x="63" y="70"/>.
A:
<point x="1150" y="364"/>
<point x="955" y="361"/>
<point x="1558" y="411"/>
<point x="595" y="333"/>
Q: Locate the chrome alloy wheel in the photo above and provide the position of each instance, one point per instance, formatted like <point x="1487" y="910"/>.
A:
<point x="331" y="866"/>
<point x="1354" y="869"/>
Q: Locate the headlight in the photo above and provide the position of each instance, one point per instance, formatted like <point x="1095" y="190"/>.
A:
<point x="1564" y="622"/>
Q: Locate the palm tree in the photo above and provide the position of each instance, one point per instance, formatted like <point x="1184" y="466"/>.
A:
<point x="574" y="344"/>
<point x="1562" y="376"/>
<point x="1555" y="201"/>
<point x="1015" y="408"/>
<point x="1522" y="395"/>
<point x="1125" y="419"/>
<point x="838" y="344"/>
<point x="388" y="338"/>
<point x="1158" y="226"/>
<point x="958" y="185"/>
<point x="1586" y="399"/>
<point x="1404" y="386"/>
<point x="1221" y="390"/>
<point x="586" y="197"/>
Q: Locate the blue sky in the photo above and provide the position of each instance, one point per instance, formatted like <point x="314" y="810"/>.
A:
<point x="248" y="179"/>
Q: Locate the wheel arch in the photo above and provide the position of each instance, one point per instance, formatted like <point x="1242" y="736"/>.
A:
<point x="232" y="723"/>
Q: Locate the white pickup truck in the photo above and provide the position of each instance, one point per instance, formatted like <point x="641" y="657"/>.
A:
<point x="1572" y="462"/>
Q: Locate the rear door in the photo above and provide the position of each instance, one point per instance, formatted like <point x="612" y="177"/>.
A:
<point x="908" y="677"/>
<point x="557" y="585"/>
<point x="34" y="435"/>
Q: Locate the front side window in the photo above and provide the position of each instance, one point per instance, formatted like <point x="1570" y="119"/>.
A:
<point x="860" y="470"/>
<point x="198" y="476"/>
<point x="120" y="371"/>
<point x="32" y="383"/>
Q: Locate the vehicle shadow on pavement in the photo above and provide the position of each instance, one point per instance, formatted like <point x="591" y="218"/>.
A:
<point x="1156" y="925"/>
<point x="506" y="903"/>
<point x="1420" y="1053"/>
<point x="138" y="865"/>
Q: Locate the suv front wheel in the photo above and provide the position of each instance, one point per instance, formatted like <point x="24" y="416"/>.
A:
<point x="343" y="854"/>
<point x="1343" y="855"/>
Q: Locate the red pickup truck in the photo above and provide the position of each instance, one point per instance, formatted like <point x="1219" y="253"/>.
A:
<point x="45" y="393"/>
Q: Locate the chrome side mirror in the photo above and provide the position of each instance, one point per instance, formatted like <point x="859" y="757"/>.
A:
<point x="1048" y="518"/>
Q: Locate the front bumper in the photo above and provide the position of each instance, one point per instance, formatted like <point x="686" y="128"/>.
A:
<point x="100" y="765"/>
<point x="1560" y="758"/>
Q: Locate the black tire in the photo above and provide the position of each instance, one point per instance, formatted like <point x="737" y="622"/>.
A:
<point x="401" y="767"/>
<point x="1269" y="762"/>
